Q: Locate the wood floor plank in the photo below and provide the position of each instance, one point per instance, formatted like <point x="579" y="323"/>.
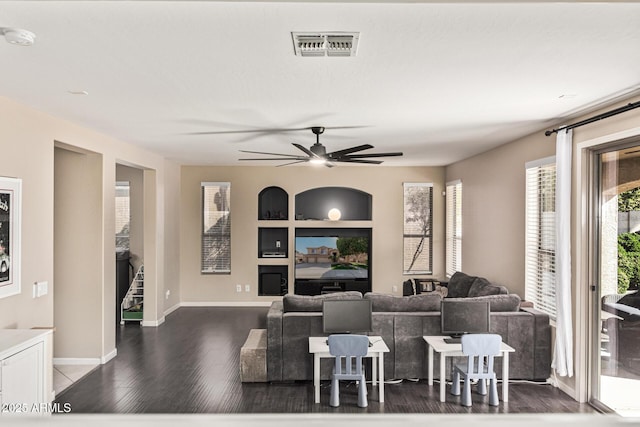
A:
<point x="190" y="364"/>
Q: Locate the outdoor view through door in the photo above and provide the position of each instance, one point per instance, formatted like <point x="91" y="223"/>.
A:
<point x="618" y="305"/>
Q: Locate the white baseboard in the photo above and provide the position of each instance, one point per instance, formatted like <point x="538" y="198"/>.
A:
<point x="76" y="361"/>
<point x="153" y="323"/>
<point x="171" y="309"/>
<point x="113" y="353"/>
<point x="225" y="304"/>
<point x="85" y="360"/>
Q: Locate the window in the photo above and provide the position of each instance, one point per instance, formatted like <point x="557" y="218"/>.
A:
<point x="454" y="227"/>
<point x="418" y="230"/>
<point x="216" y="227"/>
<point x="123" y="216"/>
<point x="540" y="242"/>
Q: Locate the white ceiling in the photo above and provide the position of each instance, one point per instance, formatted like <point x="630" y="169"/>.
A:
<point x="440" y="82"/>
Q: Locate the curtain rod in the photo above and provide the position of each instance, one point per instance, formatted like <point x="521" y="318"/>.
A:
<point x="608" y="114"/>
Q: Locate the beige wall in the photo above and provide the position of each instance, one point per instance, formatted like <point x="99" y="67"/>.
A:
<point x="27" y="139"/>
<point x="171" y="237"/>
<point x="77" y="258"/>
<point x="493" y="219"/>
<point x="20" y="139"/>
<point x="493" y="206"/>
<point x="384" y="183"/>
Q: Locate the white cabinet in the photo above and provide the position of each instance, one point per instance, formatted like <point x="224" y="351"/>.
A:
<point x="26" y="368"/>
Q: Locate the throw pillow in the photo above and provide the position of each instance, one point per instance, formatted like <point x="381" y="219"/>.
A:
<point x="314" y="303"/>
<point x="391" y="303"/>
<point x="482" y="287"/>
<point x="459" y="285"/>
<point x="407" y="288"/>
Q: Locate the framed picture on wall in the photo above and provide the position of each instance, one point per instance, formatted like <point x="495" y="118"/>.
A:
<point x="10" y="215"/>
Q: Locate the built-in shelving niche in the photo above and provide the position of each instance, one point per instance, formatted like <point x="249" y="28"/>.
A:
<point x="315" y="204"/>
<point x="273" y="204"/>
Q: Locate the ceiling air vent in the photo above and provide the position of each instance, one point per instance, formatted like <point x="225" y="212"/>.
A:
<point x="325" y="44"/>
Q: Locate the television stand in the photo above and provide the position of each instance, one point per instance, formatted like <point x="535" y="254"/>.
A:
<point x="318" y="287"/>
<point x="329" y="289"/>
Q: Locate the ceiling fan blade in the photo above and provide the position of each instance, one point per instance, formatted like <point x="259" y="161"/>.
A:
<point x="348" y="160"/>
<point x="341" y="153"/>
<point x="300" y="159"/>
<point x="293" y="163"/>
<point x="364" y="156"/>
<point x="306" y="150"/>
<point x="268" y="131"/>
<point x="269" y="154"/>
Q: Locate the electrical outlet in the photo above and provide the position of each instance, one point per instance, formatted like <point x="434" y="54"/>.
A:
<point x="395" y="288"/>
<point x="238" y="288"/>
<point x="247" y="288"/>
<point x="166" y="296"/>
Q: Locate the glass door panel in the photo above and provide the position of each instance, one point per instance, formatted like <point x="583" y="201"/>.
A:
<point x="616" y="382"/>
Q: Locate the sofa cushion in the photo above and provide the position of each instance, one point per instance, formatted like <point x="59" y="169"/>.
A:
<point x="482" y="287"/>
<point x="498" y="303"/>
<point x="391" y="303"/>
<point x="314" y="303"/>
<point x="459" y="285"/>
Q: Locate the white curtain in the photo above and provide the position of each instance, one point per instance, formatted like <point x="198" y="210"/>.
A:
<point x="563" y="354"/>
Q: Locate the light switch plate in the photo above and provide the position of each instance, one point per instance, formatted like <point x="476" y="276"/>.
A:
<point x="40" y="289"/>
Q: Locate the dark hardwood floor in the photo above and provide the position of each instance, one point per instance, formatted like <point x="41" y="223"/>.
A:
<point x="190" y="364"/>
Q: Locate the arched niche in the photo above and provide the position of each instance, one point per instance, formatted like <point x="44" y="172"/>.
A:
<point x="315" y="204"/>
<point x="273" y="204"/>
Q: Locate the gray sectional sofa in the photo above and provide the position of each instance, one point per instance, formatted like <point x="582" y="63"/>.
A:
<point x="402" y="322"/>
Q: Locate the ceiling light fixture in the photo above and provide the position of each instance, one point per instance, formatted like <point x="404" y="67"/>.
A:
<point x="18" y="36"/>
<point x="318" y="161"/>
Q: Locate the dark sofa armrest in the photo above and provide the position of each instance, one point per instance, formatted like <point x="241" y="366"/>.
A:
<point x="274" y="342"/>
<point x="542" y="350"/>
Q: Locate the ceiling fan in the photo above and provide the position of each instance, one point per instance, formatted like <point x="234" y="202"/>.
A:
<point x="317" y="154"/>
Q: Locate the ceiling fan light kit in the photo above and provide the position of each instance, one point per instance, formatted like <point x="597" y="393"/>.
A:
<point x="317" y="154"/>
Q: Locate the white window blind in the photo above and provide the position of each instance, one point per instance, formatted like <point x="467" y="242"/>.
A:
<point x="453" y="198"/>
<point x="123" y="216"/>
<point x="216" y="227"/>
<point x="418" y="228"/>
<point x="540" y="242"/>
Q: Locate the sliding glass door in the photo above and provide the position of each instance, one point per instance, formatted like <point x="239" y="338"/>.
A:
<point x="616" y="304"/>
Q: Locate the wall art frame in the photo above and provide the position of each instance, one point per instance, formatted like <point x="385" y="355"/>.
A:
<point x="10" y="235"/>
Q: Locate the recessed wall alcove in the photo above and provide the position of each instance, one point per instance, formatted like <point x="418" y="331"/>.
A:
<point x="273" y="204"/>
<point x="315" y="204"/>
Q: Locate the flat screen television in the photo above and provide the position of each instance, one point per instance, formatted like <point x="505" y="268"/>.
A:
<point x="459" y="317"/>
<point x="332" y="254"/>
<point x="346" y="316"/>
